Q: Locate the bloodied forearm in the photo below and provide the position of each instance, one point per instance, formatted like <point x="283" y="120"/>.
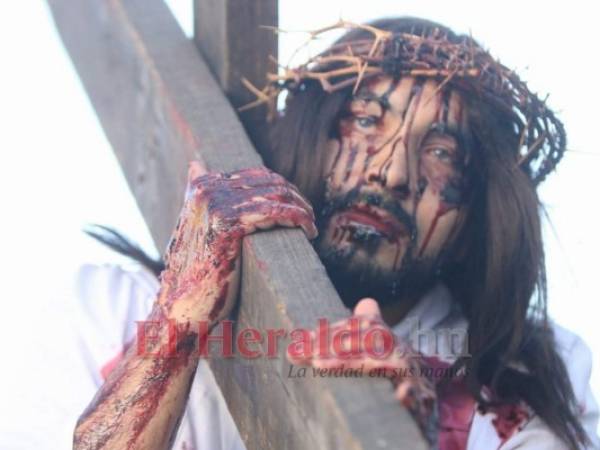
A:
<point x="139" y="405"/>
<point x="143" y="399"/>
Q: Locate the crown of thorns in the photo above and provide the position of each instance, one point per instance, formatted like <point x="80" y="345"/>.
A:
<point x="460" y="62"/>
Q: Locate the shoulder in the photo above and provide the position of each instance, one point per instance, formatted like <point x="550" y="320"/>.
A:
<point x="518" y="427"/>
<point x="113" y="290"/>
<point x="578" y="359"/>
<point x="95" y="280"/>
<point x="531" y="432"/>
<point x="576" y="355"/>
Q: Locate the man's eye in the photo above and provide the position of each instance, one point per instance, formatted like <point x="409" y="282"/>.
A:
<point x="442" y="154"/>
<point x="366" y="121"/>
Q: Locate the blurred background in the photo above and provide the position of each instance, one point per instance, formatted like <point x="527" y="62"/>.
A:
<point x="58" y="173"/>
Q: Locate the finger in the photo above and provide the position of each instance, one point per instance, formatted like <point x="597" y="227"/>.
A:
<point x="297" y="217"/>
<point x="289" y="192"/>
<point x="241" y="192"/>
<point x="249" y="179"/>
<point x="301" y="357"/>
<point x="377" y="367"/>
<point x="251" y="184"/>
<point x="256" y="174"/>
<point x="336" y="363"/>
<point x="367" y="307"/>
<point x="352" y="336"/>
<point x="329" y="363"/>
<point x="284" y="193"/>
<point x="266" y="216"/>
<point x="196" y="169"/>
<point x="404" y="391"/>
<point x="246" y="179"/>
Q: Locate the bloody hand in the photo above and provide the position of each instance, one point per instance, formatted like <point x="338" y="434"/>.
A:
<point x="142" y="400"/>
<point x="202" y="261"/>
<point x="358" y="349"/>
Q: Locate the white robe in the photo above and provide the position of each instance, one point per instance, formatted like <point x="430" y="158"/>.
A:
<point x="111" y="299"/>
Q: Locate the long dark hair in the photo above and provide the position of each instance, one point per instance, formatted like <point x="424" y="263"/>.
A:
<point x="497" y="271"/>
<point x="117" y="242"/>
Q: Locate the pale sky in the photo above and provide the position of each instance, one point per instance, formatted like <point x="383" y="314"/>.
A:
<point x="57" y="170"/>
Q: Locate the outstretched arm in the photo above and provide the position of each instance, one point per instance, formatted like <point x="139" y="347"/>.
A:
<point x="143" y="399"/>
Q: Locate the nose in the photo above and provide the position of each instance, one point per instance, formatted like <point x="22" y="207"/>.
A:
<point x="389" y="168"/>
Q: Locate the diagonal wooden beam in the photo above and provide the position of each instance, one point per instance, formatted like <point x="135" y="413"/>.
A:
<point x="160" y="107"/>
<point x="231" y="36"/>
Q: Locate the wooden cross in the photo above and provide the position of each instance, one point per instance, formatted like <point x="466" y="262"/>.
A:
<point x="161" y="106"/>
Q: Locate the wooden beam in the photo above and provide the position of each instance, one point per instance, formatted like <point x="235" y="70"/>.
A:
<point x="160" y="107"/>
<point x="231" y="36"/>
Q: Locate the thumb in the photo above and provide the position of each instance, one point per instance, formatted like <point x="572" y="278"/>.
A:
<point x="367" y="307"/>
<point x="196" y="169"/>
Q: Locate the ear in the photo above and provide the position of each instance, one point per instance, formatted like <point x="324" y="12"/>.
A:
<point x="196" y="169"/>
<point x="367" y="307"/>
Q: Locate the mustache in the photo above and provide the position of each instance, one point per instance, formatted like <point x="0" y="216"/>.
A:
<point x="381" y="200"/>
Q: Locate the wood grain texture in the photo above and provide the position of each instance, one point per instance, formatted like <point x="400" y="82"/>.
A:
<point x="232" y="37"/>
<point x="160" y="107"/>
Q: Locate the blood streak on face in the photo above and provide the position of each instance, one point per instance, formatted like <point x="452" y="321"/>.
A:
<point x="395" y="178"/>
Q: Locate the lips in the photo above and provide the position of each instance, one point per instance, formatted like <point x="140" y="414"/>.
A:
<point x="377" y="219"/>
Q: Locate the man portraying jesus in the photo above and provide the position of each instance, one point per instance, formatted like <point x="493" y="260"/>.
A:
<point x="411" y="158"/>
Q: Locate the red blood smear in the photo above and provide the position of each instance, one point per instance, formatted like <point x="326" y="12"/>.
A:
<point x="161" y="373"/>
<point x="416" y="93"/>
<point x="220" y="303"/>
<point x="158" y="376"/>
<point x="148" y="396"/>
<point x="350" y="164"/>
<point x="107" y="368"/>
<point x="443" y="209"/>
<point x="509" y="419"/>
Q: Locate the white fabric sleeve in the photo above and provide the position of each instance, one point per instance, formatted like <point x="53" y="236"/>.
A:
<point x="73" y="326"/>
<point x="110" y="300"/>
<point x="578" y="359"/>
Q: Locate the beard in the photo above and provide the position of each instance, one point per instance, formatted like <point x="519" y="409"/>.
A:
<point x="356" y="278"/>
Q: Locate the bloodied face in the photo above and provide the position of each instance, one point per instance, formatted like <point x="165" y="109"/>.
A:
<point x="395" y="187"/>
